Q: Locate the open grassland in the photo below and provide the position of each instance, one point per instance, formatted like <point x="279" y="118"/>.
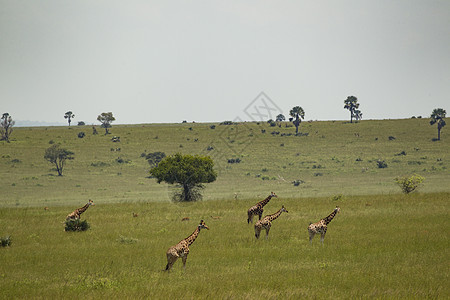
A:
<point x="329" y="158"/>
<point x="378" y="246"/>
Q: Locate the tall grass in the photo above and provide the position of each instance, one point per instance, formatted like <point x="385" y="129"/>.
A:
<point x="380" y="246"/>
<point x="334" y="158"/>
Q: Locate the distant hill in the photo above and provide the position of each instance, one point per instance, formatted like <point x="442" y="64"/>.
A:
<point x="27" y="123"/>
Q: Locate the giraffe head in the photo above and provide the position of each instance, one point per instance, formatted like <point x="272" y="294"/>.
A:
<point x="272" y="194"/>
<point x="283" y="209"/>
<point x="202" y="225"/>
<point x="91" y="202"/>
<point x="337" y="209"/>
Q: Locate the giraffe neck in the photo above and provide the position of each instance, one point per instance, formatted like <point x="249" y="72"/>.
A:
<point x="330" y="217"/>
<point x="275" y="215"/>
<point x="190" y="239"/>
<point x="83" y="209"/>
<point x="265" y="201"/>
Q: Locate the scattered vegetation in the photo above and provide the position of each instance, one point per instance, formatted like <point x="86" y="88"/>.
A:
<point x="5" y="241"/>
<point x="76" y="225"/>
<point x="409" y="184"/>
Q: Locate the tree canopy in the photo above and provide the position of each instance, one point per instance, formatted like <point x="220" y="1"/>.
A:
<point x="189" y="171"/>
<point x="297" y="113"/>
<point x="438" y="116"/>
<point x="58" y="156"/>
<point x="69" y="116"/>
<point x="6" y="124"/>
<point x="106" y="119"/>
<point x="351" y="103"/>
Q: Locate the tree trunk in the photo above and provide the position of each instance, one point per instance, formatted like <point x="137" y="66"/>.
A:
<point x="186" y="192"/>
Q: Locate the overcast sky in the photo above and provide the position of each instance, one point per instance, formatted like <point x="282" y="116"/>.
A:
<point x="168" y="61"/>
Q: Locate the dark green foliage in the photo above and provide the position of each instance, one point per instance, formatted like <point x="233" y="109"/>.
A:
<point x="154" y="158"/>
<point x="297" y="114"/>
<point x="81" y="134"/>
<point x="81" y="123"/>
<point x="189" y="171"/>
<point x="297" y="182"/>
<point x="76" y="225"/>
<point x="227" y="123"/>
<point x="381" y="164"/>
<point x="6" y="125"/>
<point x="351" y="103"/>
<point x="437" y="116"/>
<point x="106" y="119"/>
<point x="58" y="156"/>
<point x="234" y="160"/>
<point x="5" y="241"/>
<point x="212" y="126"/>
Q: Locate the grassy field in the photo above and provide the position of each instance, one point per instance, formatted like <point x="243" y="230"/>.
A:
<point x="330" y="158"/>
<point x="382" y="244"/>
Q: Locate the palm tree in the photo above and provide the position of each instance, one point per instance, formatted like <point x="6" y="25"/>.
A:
<point x="437" y="116"/>
<point x="351" y="103"/>
<point x="297" y="113"/>
<point x="69" y="115"/>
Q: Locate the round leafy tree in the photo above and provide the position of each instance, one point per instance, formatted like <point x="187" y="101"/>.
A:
<point x="188" y="171"/>
<point x="58" y="156"/>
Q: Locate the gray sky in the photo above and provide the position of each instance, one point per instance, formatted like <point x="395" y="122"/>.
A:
<point x="168" y="61"/>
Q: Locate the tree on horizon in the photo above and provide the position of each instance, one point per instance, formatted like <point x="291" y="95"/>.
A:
<point x="106" y="119"/>
<point x="69" y="116"/>
<point x="297" y="113"/>
<point x="437" y="116"/>
<point x="351" y="103"/>
<point x="6" y="124"/>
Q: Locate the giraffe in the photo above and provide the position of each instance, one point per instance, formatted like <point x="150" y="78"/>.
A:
<point x="182" y="248"/>
<point x="266" y="222"/>
<point x="321" y="226"/>
<point x="77" y="212"/>
<point x="257" y="209"/>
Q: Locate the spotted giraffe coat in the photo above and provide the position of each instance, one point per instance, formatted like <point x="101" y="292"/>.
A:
<point x="321" y="226"/>
<point x="266" y="222"/>
<point x="182" y="248"/>
<point x="76" y="214"/>
<point x="257" y="209"/>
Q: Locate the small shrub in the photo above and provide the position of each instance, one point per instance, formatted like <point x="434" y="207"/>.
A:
<point x="115" y="139"/>
<point x="76" y="225"/>
<point x="391" y="138"/>
<point x="81" y="123"/>
<point x="401" y="153"/>
<point x="381" y="164"/>
<point x="409" y="184"/>
<point x="297" y="182"/>
<point x="234" y="160"/>
<point x="81" y="134"/>
<point x="5" y="241"/>
<point x="212" y="126"/>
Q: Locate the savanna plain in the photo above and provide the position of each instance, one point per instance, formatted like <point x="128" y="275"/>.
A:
<point x="382" y="244"/>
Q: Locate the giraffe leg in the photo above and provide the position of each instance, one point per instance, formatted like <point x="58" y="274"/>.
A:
<point x="184" y="258"/>
<point x="171" y="259"/>
<point x="257" y="231"/>
<point x="267" y="232"/>
<point x="250" y="218"/>
<point x="311" y="235"/>
<point x="322" y="236"/>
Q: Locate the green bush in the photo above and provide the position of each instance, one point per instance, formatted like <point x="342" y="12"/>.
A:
<point x="409" y="184"/>
<point x="5" y="241"/>
<point x="76" y="225"/>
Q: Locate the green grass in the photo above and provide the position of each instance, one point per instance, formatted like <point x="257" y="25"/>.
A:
<point x="381" y="246"/>
<point x="326" y="160"/>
